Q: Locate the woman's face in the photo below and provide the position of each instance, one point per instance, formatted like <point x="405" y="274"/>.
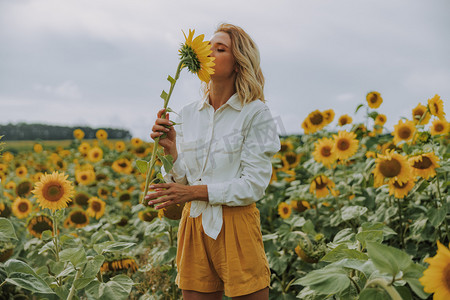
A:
<point x="225" y="67"/>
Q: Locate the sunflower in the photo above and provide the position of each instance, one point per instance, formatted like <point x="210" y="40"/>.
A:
<point x="292" y="158"/>
<point x="8" y="156"/>
<point x="173" y="212"/>
<point x="119" y="146"/>
<point x="321" y="185"/>
<point x="23" y="189"/>
<point x="122" y="264"/>
<point x="345" y="144"/>
<point x="300" y="205"/>
<point x="3" y="168"/>
<point x="148" y="215"/>
<point x="316" y="121"/>
<point x="101" y="134"/>
<point x="78" y="134"/>
<point x="374" y="99"/>
<point x="371" y="154"/>
<point x="142" y="151"/>
<point x="194" y="54"/>
<point x="38" y="224"/>
<point x="286" y="145"/>
<point x="424" y="165"/>
<point x="306" y="127"/>
<point x="380" y="119"/>
<point x="435" y="278"/>
<point x="53" y="191"/>
<point x="328" y="115"/>
<point x="284" y="210"/>
<point x="103" y="192"/>
<point x="37" y="176"/>
<point x="136" y="142"/>
<point x="403" y="131"/>
<point x="391" y="166"/>
<point x="399" y="189"/>
<point x="37" y="148"/>
<point x="5" y="210"/>
<point x="439" y="126"/>
<point x="84" y="148"/>
<point x="344" y="120"/>
<point x="2" y="177"/>
<point x="21" y="172"/>
<point x="436" y="107"/>
<point x="122" y="165"/>
<point x="96" y="208"/>
<point x="85" y="177"/>
<point x="78" y="218"/>
<point x="323" y="152"/>
<point x="81" y="199"/>
<point x="11" y="185"/>
<point x="21" y="207"/>
<point x="95" y="154"/>
<point x="418" y="112"/>
<point x="289" y="175"/>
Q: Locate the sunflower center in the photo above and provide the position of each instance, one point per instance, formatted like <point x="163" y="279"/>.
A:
<point x="325" y="151"/>
<point x="284" y="147"/>
<point x="390" y="168"/>
<point x="123" y="164"/>
<point x="436" y="108"/>
<point x="84" y="177"/>
<point x="81" y="199"/>
<point x="447" y="275"/>
<point x="53" y="192"/>
<point x="424" y="164"/>
<point x="285" y="210"/>
<point x="404" y="133"/>
<point x="96" y="154"/>
<point x="103" y="192"/>
<point x="343" y="144"/>
<point x="399" y="185"/>
<point x="373" y="98"/>
<point x="322" y="185"/>
<point x="418" y="113"/>
<point x="96" y="206"/>
<point x="316" y="119"/>
<point x="23" y="207"/>
<point x="291" y="158"/>
<point x="439" y="127"/>
<point x="24" y="188"/>
<point x="140" y="150"/>
<point x="78" y="218"/>
<point x="42" y="225"/>
<point x="343" y="121"/>
<point x="124" y="197"/>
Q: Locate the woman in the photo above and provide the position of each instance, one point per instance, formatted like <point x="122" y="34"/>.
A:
<point x="222" y="152"/>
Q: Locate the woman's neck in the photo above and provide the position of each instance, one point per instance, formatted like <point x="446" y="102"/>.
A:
<point x="219" y="93"/>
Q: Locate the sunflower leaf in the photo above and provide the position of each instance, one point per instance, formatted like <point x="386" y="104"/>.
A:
<point x="171" y="110"/>
<point x="29" y="282"/>
<point x="171" y="80"/>
<point x="164" y="95"/>
<point x="77" y="256"/>
<point x="167" y="161"/>
<point x="358" y="107"/>
<point x="142" y="165"/>
<point x="7" y="230"/>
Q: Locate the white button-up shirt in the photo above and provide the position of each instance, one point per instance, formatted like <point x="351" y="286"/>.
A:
<point x="229" y="150"/>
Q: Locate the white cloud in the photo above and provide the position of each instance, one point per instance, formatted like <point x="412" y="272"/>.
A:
<point x="67" y="89"/>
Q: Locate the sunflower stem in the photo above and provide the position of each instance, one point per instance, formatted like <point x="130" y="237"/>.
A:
<point x="402" y="240"/>
<point x="389" y="288"/>
<point x="149" y="176"/>
<point x="420" y="121"/>
<point x="55" y="236"/>
<point x="72" y="289"/>
<point x="444" y="206"/>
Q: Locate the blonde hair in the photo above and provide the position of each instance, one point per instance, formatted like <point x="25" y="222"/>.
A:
<point x="249" y="82"/>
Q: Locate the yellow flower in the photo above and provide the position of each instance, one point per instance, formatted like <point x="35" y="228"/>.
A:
<point x="323" y="152"/>
<point x="81" y="199"/>
<point x="292" y="159"/>
<point x="306" y="127"/>
<point x="435" y="278"/>
<point x="3" y="168"/>
<point x="122" y="165"/>
<point x="344" y="120"/>
<point x="103" y="192"/>
<point x="300" y="205"/>
<point x="374" y="99"/>
<point x="78" y="134"/>
<point x="403" y="131"/>
<point x="284" y="210"/>
<point x="424" y="165"/>
<point x="393" y="167"/>
<point x="53" y="191"/>
<point x="11" y="185"/>
<point x="436" y="106"/>
<point x="345" y="144"/>
<point x="7" y="156"/>
<point x="37" y="148"/>
<point x="78" y="218"/>
<point x="84" y="148"/>
<point x="380" y="119"/>
<point x="148" y="215"/>
<point x="316" y="121"/>
<point x="195" y="56"/>
<point x="101" y="134"/>
<point x="21" y="207"/>
<point x="328" y="115"/>
<point x="286" y="145"/>
<point x="85" y="177"/>
<point x="321" y="185"/>
<point x="38" y="224"/>
<point x="23" y="189"/>
<point x="419" y="111"/>
<point x="439" y="126"/>
<point x="399" y="189"/>
<point x="120" y="146"/>
<point x="96" y="208"/>
<point x="95" y="154"/>
<point x="21" y="171"/>
<point x="136" y="142"/>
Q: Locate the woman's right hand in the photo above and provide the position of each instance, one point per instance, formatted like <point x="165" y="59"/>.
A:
<point x="169" y="141"/>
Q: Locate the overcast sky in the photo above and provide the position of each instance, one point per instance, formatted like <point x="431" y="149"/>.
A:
<point x="103" y="63"/>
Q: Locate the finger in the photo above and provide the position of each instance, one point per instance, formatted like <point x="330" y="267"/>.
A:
<point x="156" y="128"/>
<point x="161" y="185"/>
<point x="165" y="204"/>
<point x="154" y="135"/>
<point x="160" y="112"/>
<point x="161" y="121"/>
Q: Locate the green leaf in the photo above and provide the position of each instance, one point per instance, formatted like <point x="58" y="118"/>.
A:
<point x="326" y="281"/>
<point x="164" y="95"/>
<point x="436" y="215"/>
<point x="171" y="80"/>
<point x="370" y="235"/>
<point x="77" y="256"/>
<point x="29" y="282"/>
<point x="373" y="115"/>
<point x="119" y="287"/>
<point x="167" y="161"/>
<point x="7" y="230"/>
<point x="388" y="259"/>
<point x="168" y="109"/>
<point x="170" y="255"/>
<point x="411" y="275"/>
<point x="142" y="166"/>
<point x="358" y="107"/>
<point x="374" y="294"/>
<point x="93" y="266"/>
<point x="14" y="265"/>
<point x="82" y="282"/>
<point x="341" y="252"/>
<point x="344" y="235"/>
<point x="352" y="212"/>
<point x="112" y="246"/>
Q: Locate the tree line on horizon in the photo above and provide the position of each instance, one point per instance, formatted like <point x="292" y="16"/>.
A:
<point x="23" y="131"/>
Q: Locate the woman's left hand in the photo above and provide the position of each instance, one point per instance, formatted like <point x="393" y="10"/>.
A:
<point x="169" y="194"/>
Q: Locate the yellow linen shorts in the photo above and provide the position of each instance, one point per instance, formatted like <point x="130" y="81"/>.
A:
<point x="234" y="263"/>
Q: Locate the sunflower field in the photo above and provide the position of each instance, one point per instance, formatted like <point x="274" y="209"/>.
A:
<point x="356" y="213"/>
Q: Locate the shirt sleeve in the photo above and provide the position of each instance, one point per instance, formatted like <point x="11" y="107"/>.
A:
<point x="178" y="172"/>
<point x="260" y="145"/>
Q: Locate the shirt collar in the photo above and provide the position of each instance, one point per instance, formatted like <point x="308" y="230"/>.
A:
<point x="234" y="102"/>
